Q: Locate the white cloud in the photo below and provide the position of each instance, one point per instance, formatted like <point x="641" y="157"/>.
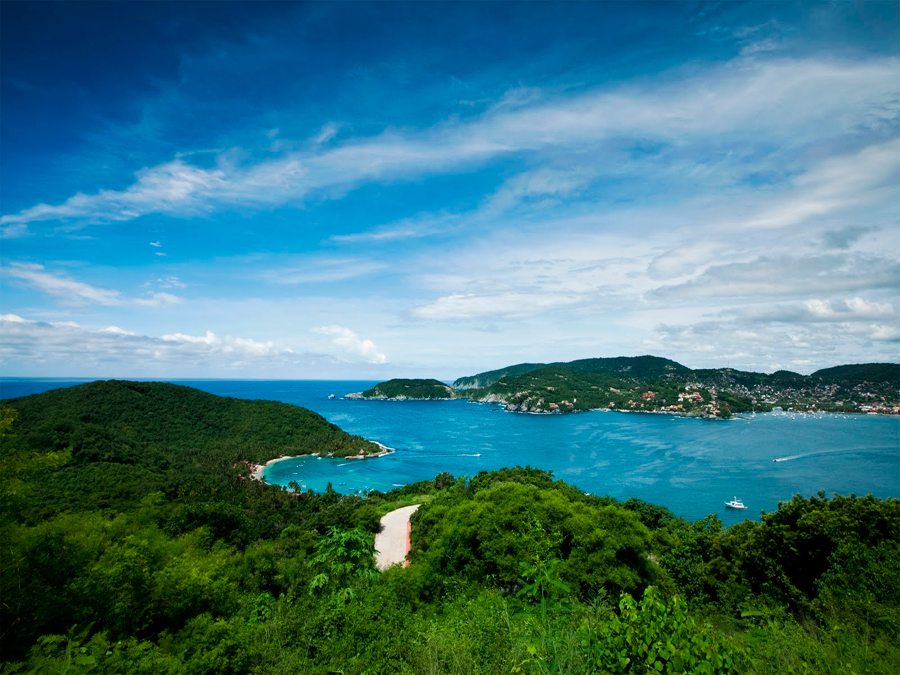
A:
<point x="836" y="184"/>
<point x="541" y="183"/>
<point x="886" y="333"/>
<point x="170" y="282"/>
<point x="352" y="343"/>
<point x="509" y="305"/>
<point x="13" y="231"/>
<point x="155" y="243"/>
<point x="322" y="270"/>
<point x="787" y="275"/>
<point x="327" y="132"/>
<point x="816" y="310"/>
<point x="159" y="299"/>
<point x="228" y="344"/>
<point x="115" y="330"/>
<point x="864" y="308"/>
<point x="787" y="100"/>
<point x="766" y="45"/>
<point x="68" y="290"/>
<point x="686" y="259"/>
<point x="68" y="348"/>
<point x="75" y="292"/>
<point x="209" y="339"/>
<point x="408" y="228"/>
<point x="11" y="318"/>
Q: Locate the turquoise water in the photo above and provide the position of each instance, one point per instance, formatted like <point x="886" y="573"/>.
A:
<point x="687" y="465"/>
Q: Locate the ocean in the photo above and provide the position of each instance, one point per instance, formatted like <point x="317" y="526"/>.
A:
<point x="690" y="466"/>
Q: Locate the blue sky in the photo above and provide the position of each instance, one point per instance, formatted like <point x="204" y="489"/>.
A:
<point x="352" y="190"/>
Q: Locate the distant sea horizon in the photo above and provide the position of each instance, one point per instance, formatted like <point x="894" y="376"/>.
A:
<point x="690" y="466"/>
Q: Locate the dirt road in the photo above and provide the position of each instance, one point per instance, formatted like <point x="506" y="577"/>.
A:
<point x="392" y="543"/>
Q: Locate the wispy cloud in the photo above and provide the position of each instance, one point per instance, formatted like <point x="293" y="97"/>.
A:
<point x="409" y="228"/>
<point x="494" y="306"/>
<point x="785" y="276"/>
<point x="322" y="270"/>
<point x="789" y="100"/>
<point x="815" y="310"/>
<point x="863" y="177"/>
<point x="74" y="292"/>
<point x="227" y="344"/>
<point x="170" y="281"/>
<point x="64" y="288"/>
<point x="159" y="299"/>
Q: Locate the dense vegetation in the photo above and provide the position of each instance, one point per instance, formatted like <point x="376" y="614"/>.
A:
<point x="401" y="389"/>
<point x="641" y="367"/>
<point x="193" y="568"/>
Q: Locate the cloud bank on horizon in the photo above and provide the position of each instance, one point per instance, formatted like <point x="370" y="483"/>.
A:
<point x="373" y="190"/>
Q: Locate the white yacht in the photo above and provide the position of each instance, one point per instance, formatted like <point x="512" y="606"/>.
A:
<point x="735" y="504"/>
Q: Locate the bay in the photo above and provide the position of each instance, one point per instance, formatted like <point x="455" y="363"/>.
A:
<point x="690" y="466"/>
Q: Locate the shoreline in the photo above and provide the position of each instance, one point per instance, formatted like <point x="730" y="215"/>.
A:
<point x="257" y="471"/>
<point x="678" y="413"/>
<point x="385" y="450"/>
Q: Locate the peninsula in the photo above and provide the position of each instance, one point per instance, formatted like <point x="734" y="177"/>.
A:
<point x="659" y="385"/>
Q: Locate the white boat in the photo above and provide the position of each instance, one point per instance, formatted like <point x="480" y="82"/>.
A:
<point x="735" y="504"/>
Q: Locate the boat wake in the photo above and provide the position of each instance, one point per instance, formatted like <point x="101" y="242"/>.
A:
<point x="848" y="451"/>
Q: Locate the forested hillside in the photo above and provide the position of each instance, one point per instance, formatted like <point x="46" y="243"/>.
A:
<point x="651" y="383"/>
<point x="405" y="389"/>
<point x="133" y="541"/>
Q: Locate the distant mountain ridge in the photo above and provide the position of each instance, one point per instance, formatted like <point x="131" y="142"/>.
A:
<point x="634" y="366"/>
<point x="655" y="367"/>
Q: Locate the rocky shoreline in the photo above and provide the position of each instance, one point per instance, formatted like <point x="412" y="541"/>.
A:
<point x="358" y="396"/>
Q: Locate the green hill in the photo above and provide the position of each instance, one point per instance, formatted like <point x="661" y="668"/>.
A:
<point x="488" y="378"/>
<point x="644" y="367"/>
<point x="116" y="441"/>
<point x="100" y="421"/>
<point x="402" y="390"/>
<point x="882" y="373"/>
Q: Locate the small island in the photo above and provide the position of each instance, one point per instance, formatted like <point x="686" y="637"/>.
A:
<point x="408" y="390"/>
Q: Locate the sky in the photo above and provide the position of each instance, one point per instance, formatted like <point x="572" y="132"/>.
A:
<point x="363" y="191"/>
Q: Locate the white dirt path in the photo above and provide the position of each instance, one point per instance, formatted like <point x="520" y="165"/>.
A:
<point x="392" y="543"/>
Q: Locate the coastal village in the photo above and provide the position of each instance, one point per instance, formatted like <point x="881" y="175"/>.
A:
<point x="654" y="385"/>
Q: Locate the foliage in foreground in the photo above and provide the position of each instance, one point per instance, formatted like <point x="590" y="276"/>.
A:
<point x="195" y="569"/>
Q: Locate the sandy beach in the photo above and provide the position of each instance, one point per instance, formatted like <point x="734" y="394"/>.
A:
<point x="258" y="469"/>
